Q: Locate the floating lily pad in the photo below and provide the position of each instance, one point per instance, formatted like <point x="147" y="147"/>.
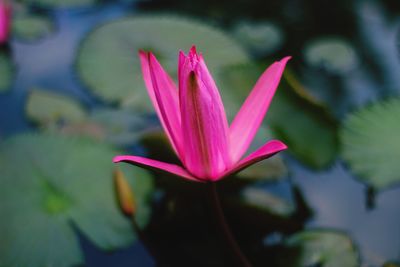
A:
<point x="60" y="3"/>
<point x="114" y="126"/>
<point x="62" y="114"/>
<point x="6" y="72"/>
<point x="263" y="200"/>
<point x="109" y="64"/>
<point x="332" y="54"/>
<point x="260" y="38"/>
<point x="31" y="27"/>
<point x="323" y="248"/>
<point x="121" y="127"/>
<point x="309" y="132"/>
<point x="370" y="143"/>
<point x="47" y="108"/>
<point x="48" y="184"/>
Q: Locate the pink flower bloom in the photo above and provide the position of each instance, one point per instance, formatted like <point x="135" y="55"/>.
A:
<point x="5" y="20"/>
<point x="194" y="119"/>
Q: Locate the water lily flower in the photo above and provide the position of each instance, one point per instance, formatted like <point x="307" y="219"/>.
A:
<point x="5" y="20"/>
<point x="194" y="119"/>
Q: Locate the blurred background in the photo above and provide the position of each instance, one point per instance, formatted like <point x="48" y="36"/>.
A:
<point x="72" y="97"/>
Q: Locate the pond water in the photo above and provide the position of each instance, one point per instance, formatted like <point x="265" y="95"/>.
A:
<point x="337" y="198"/>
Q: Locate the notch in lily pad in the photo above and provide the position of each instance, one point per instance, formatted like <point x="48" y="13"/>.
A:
<point x="64" y="181"/>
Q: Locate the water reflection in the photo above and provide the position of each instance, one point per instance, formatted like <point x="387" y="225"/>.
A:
<point x="339" y="202"/>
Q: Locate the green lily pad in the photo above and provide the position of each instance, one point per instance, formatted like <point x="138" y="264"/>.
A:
<point x="47" y="108"/>
<point x="31" y="27"/>
<point x="109" y="65"/>
<point x="309" y="132"/>
<point x="59" y="3"/>
<point x="333" y="54"/>
<point x="6" y="72"/>
<point x="48" y="184"/>
<point x="263" y="200"/>
<point x="61" y="114"/>
<point x="370" y="143"/>
<point x="323" y="248"/>
<point x="117" y="127"/>
<point x="120" y="127"/>
<point x="260" y="38"/>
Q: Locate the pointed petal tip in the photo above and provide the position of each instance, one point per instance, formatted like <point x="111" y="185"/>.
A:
<point x="143" y="53"/>
<point x="267" y="150"/>
<point x="117" y="159"/>
<point x="181" y="53"/>
<point x="151" y="56"/>
<point x="278" y="145"/>
<point x="193" y="49"/>
<point x="193" y="56"/>
<point x="285" y="59"/>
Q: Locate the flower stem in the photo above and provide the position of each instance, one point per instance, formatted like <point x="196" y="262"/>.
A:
<point x="240" y="258"/>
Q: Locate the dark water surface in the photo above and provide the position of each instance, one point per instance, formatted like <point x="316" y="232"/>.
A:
<point x="338" y="200"/>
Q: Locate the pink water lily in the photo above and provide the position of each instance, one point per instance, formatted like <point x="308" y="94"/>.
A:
<point x="195" y="122"/>
<point x="5" y="20"/>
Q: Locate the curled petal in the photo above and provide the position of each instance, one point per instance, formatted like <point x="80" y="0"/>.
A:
<point x="248" y="120"/>
<point x="268" y="150"/>
<point x="156" y="165"/>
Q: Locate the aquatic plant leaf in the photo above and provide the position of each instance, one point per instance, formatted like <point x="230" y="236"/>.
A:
<point x="63" y="115"/>
<point x="263" y="200"/>
<point x="308" y="130"/>
<point x="29" y="27"/>
<point x="108" y="60"/>
<point x="331" y="54"/>
<point x="370" y="143"/>
<point x="260" y="38"/>
<point x="120" y="127"/>
<point x="63" y="182"/>
<point x="45" y="107"/>
<point x="114" y="126"/>
<point x="6" y="71"/>
<point x="59" y="3"/>
<point x="325" y="248"/>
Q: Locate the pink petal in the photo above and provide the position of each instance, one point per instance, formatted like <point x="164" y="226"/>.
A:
<point x="248" y="120"/>
<point x="268" y="150"/>
<point x="164" y="96"/>
<point x="5" y="20"/>
<point x="156" y="165"/>
<point x="203" y="119"/>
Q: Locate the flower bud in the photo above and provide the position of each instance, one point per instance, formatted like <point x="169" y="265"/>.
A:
<point x="124" y="193"/>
